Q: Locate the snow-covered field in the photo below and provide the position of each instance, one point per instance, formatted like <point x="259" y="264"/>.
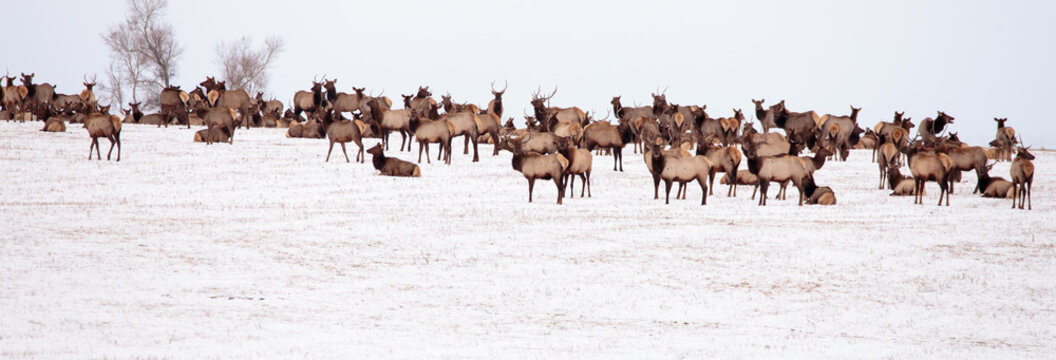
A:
<point x="261" y="249"/>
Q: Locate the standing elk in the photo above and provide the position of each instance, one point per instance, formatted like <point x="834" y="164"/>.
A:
<point x="929" y="127"/>
<point x="428" y="131"/>
<point x="964" y="159"/>
<point x="1004" y="140"/>
<point x="681" y="169"/>
<point x="344" y="102"/>
<point x="393" y="120"/>
<point x="723" y="159"/>
<point x="390" y="166"/>
<point x="929" y="165"/>
<point x="219" y="117"/>
<point x="175" y="105"/>
<point x="778" y="169"/>
<point x="535" y="166"/>
<point x="342" y="131"/>
<point x="100" y="123"/>
<point x="800" y="126"/>
<point x="1022" y="172"/>
<point x="422" y="101"/>
<point x="888" y="156"/>
<point x="308" y="100"/>
<point x="630" y="114"/>
<point x="542" y="107"/>
<point x="38" y="95"/>
<point x="237" y="99"/>
<point x="495" y="105"/>
<point x="765" y="117"/>
<point x="848" y="132"/>
<point x="579" y="164"/>
<point x="606" y="136"/>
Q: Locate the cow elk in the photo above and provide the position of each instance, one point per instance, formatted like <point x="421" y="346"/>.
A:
<point x="390" y="166"/>
<point x="536" y="166"/>
<point x="778" y="169"/>
<point x="579" y="164"/>
<point x="681" y="169"/>
<point x="1022" y="172"/>
<point x="929" y="165"/>
<point x="100" y="123"/>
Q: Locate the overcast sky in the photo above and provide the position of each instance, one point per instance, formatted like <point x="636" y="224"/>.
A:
<point x="972" y="59"/>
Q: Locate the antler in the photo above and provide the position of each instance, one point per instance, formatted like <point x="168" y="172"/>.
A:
<point x="665" y="90"/>
<point x="552" y="94"/>
<point x="505" y="85"/>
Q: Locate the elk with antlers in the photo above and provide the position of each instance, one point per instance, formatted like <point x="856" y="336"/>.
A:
<point x="495" y="105"/>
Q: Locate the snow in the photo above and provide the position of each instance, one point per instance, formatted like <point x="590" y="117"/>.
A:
<point x="261" y="249"/>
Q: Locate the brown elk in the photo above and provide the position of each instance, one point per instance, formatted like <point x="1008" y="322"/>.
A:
<point x="900" y="185"/>
<point x="545" y="113"/>
<point x="495" y="105"/>
<point x="812" y="164"/>
<point x="101" y="124"/>
<point x="723" y="159"/>
<point x="342" y="131"/>
<point x="392" y="120"/>
<point x="211" y="135"/>
<point x="800" y="126"/>
<point x="390" y="166"/>
<point x="579" y="164"/>
<point x="1022" y="172"/>
<point x="993" y="187"/>
<point x="465" y="119"/>
<point x="606" y="136"/>
<point x="55" y="124"/>
<point x="1004" y="140"/>
<point x="38" y="95"/>
<point x="536" y="166"/>
<point x="542" y="143"/>
<point x="964" y="159"/>
<point x="743" y="177"/>
<point x="847" y="132"/>
<point x="428" y="131"/>
<point x="765" y="117"/>
<point x="769" y="144"/>
<point x="629" y="114"/>
<point x="929" y="165"/>
<point x="818" y="195"/>
<point x="888" y="156"/>
<point x="175" y="105"/>
<point x="343" y="102"/>
<point x="422" y="101"/>
<point x="13" y="95"/>
<point x="929" y="127"/>
<point x="778" y="169"/>
<point x="308" y="100"/>
<point x="681" y="169"/>
<point x="647" y="156"/>
<point x="219" y="117"/>
<point x="238" y="99"/>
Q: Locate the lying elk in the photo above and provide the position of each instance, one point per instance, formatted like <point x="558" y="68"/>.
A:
<point x="781" y="168"/>
<point x="818" y="195"/>
<point x="390" y="166"/>
<point x="723" y="159"/>
<point x="579" y="164"/>
<point x="535" y="166"/>
<point x="219" y="117"/>
<point x="900" y="185"/>
<point x="101" y="124"/>
<point x="211" y="135"/>
<point x="606" y="136"/>
<point x="681" y="169"/>
<point x="929" y="166"/>
<point x="428" y="131"/>
<point x="743" y="177"/>
<point x="174" y="105"/>
<point x="992" y="187"/>
<point x="55" y="124"/>
<point x="495" y="105"/>
<point x="1022" y="172"/>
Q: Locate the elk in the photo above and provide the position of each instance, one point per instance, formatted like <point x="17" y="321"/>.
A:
<point x="535" y="166"/>
<point x="422" y="101"/>
<point x="219" y="117"/>
<point x="343" y="102"/>
<point x="38" y="95"/>
<point x="992" y="187"/>
<point x="965" y="158"/>
<point x="606" y="136"/>
<point x="765" y="117"/>
<point x="658" y="143"/>
<point x="465" y="120"/>
<point x="927" y="166"/>
<point x="743" y="177"/>
<point x="900" y="184"/>
<point x="450" y="106"/>
<point x="579" y="164"/>
<point x="174" y="105"/>
<point x="390" y="166"/>
<point x="723" y="159"/>
<point x="55" y="124"/>
<point x="101" y="124"/>
<point x="779" y="169"/>
<point x="211" y="135"/>
<point x="428" y="131"/>
<point x="889" y="155"/>
<point x="1004" y="140"/>
<point x="342" y="131"/>
<point x="868" y="141"/>
<point x="268" y="106"/>
<point x="681" y="169"/>
<point x="542" y="143"/>
<point x="389" y="120"/>
<point x="13" y="96"/>
<point x="818" y="195"/>
<point x="543" y="111"/>
<point x="799" y="126"/>
<point x="135" y="113"/>
<point x="812" y="164"/>
<point x="929" y="127"/>
<point x="308" y="100"/>
<point x="1022" y="173"/>
<point x="770" y="144"/>
<point x="495" y="105"/>
<point x="235" y="99"/>
<point x="847" y="131"/>
<point x="629" y="114"/>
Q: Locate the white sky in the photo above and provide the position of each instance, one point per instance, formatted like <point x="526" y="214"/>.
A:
<point x="973" y="59"/>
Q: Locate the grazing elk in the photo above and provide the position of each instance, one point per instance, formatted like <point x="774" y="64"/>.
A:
<point x="101" y="124"/>
<point x="888" y="156"/>
<point x="602" y="135"/>
<point x="992" y="187"/>
<point x="579" y="164"/>
<point x="495" y="105"/>
<point x="778" y="169"/>
<point x="390" y="166"/>
<point x="929" y="165"/>
<point x="535" y="166"/>
<point x="1022" y="172"/>
<point x="681" y="169"/>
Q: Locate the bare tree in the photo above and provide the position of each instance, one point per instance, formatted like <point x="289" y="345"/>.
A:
<point x="244" y="67"/>
<point x="143" y="53"/>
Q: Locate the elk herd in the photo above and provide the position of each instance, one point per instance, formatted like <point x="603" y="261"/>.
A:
<point x="679" y="143"/>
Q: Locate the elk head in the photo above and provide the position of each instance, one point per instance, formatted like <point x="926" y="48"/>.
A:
<point x="407" y="100"/>
<point x="89" y="84"/>
<point x="1000" y="122"/>
<point x="134" y="106"/>
<point x="854" y="113"/>
<point x="209" y="84"/>
<point x="27" y="80"/>
<point x="359" y="91"/>
<point x="423" y="92"/>
<point x="498" y="94"/>
<point x="758" y="103"/>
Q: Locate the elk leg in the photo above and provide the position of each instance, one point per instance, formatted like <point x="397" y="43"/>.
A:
<point x="1015" y="186"/>
<point x="582" y="184"/>
<point x="656" y="186"/>
<point x="330" y="151"/>
<point x="360" y="156"/>
<point x="476" y="157"/>
<point x="343" y="150"/>
<point x="560" y="189"/>
<point x="754" y="189"/>
<point x="704" y="190"/>
<point x="571" y="181"/>
<point x="465" y="144"/>
<point x="495" y="142"/>
<point x="531" y="185"/>
<point x="588" y="185"/>
<point x="91" y="144"/>
<point x="667" y="186"/>
<point x="1027" y="186"/>
<point x="763" y="186"/>
<point x="117" y="139"/>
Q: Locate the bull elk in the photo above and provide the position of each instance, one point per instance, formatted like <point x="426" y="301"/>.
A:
<point x="495" y="105"/>
<point x="308" y="100"/>
<point x="545" y="112"/>
<point x="1022" y="172"/>
<point x="536" y="166"/>
<point x="390" y="166"/>
<point x="100" y="123"/>
<point x="993" y="187"/>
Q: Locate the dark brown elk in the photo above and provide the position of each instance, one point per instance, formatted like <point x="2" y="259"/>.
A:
<point x="723" y="159"/>
<point x="495" y="105"/>
<point x="393" y="120"/>
<point x="1022" y="172"/>
<point x="800" y="126"/>
<point x="428" y="131"/>
<point x="344" y="102"/>
<point x="681" y="169"/>
<point x="544" y="112"/>
<point x="100" y="124"/>
<point x="629" y="114"/>
<point x="13" y="95"/>
<point x="175" y="105"/>
<point x="535" y="166"/>
<point x="965" y="159"/>
<point x="900" y="185"/>
<point x="1004" y="140"/>
<point x="422" y="100"/>
<point x="848" y="132"/>
<point x="818" y="195"/>
<point x="929" y="127"/>
<point x="778" y="169"/>
<point x="579" y="164"/>
<point x="765" y="116"/>
<point x="606" y="136"/>
<point x="238" y="99"/>
<point x="342" y="131"/>
<point x="211" y="135"/>
<point x="992" y="187"/>
<point x="929" y="165"/>
<point x="390" y="166"/>
<point x="888" y="156"/>
<point x="39" y="95"/>
<point x="308" y="100"/>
